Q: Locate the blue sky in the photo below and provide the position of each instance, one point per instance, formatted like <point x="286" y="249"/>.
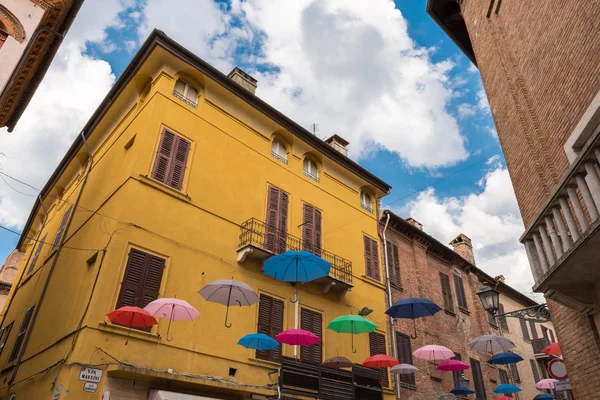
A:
<point x="443" y="124"/>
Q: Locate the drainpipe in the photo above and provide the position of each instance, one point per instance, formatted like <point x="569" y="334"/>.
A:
<point x="38" y="306"/>
<point x="391" y="325"/>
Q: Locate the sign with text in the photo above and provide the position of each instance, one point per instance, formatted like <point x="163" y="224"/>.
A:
<point x="90" y="374"/>
<point x="562" y="386"/>
<point x="90" y="387"/>
<point x="57" y="392"/>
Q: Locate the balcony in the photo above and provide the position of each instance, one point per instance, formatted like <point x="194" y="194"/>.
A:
<point x="563" y="241"/>
<point x="539" y="345"/>
<point x="259" y="242"/>
<point x="314" y="381"/>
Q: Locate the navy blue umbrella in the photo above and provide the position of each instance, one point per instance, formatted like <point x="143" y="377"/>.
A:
<point x="413" y="308"/>
<point x="462" y="391"/>
<point x="544" y="396"/>
<point x="505" y="358"/>
<point x="507" y="388"/>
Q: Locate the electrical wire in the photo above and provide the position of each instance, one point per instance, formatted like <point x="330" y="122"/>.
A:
<point x="39" y="241"/>
<point x="9" y="185"/>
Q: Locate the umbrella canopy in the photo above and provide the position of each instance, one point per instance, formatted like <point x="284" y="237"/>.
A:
<point x="553" y="349"/>
<point x="173" y="310"/>
<point x="131" y="317"/>
<point x="491" y="344"/>
<point x="506" y="388"/>
<point x="413" y="308"/>
<point x="505" y="358"/>
<point x="433" y="352"/>
<point x="258" y="341"/>
<point x="337" y="362"/>
<point x="352" y="324"/>
<point x="297" y="337"/>
<point x="504" y="398"/>
<point x="296" y="266"/>
<point x="404" y="369"/>
<point x="546" y="383"/>
<point x="462" y="391"/>
<point x="453" y="365"/>
<point x="229" y="292"/>
<point x="544" y="396"/>
<point x="380" y="361"/>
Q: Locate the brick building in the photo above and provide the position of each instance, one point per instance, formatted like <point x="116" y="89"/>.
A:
<point x="540" y="66"/>
<point x="421" y="266"/>
<point x="8" y="273"/>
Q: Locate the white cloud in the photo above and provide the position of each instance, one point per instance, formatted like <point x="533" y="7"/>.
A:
<point x="481" y="107"/>
<point x="489" y="217"/>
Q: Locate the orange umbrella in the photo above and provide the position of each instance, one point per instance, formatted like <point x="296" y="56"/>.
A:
<point x="504" y="398"/>
<point x="380" y="361"/>
<point x="552" y="349"/>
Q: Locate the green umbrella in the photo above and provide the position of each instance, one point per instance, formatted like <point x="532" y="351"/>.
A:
<point x="352" y="324"/>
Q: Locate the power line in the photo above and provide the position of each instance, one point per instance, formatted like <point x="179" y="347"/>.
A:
<point x="39" y="241"/>
<point x="9" y="185"/>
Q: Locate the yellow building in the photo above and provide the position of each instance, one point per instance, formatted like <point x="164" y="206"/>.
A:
<point x="191" y="178"/>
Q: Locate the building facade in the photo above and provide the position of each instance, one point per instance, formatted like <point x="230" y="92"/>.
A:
<point x="8" y="272"/>
<point x="540" y="67"/>
<point x="421" y="266"/>
<point x="30" y="33"/>
<point x="191" y="178"/>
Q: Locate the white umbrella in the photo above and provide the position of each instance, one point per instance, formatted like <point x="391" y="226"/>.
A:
<point x="404" y="369"/>
<point x="491" y="343"/>
<point x="229" y="292"/>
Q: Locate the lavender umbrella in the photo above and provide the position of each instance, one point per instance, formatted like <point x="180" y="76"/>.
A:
<point x="229" y="292"/>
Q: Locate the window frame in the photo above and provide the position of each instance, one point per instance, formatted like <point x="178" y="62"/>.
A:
<point x="275" y="154"/>
<point x="314" y="353"/>
<point x="367" y="206"/>
<point x="378" y="345"/>
<point x="524" y="330"/>
<point x="313" y="176"/>
<point x="461" y="296"/>
<point x="275" y="355"/>
<point x="37" y="250"/>
<point x="172" y="159"/>
<point x="447" y="298"/>
<point x="184" y="96"/>
<point x="21" y="334"/>
<point x="371" y="255"/>
<point x="6" y="332"/>
<point x="62" y="228"/>
<point x="405" y="357"/>
<point x="479" y="383"/>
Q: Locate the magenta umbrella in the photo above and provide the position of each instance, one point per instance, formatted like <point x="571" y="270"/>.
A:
<point x="452" y="365"/>
<point x="433" y="352"/>
<point x="173" y="309"/>
<point x="297" y="337"/>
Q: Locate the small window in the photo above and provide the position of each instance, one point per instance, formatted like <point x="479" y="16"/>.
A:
<point x="371" y="258"/>
<point x="141" y="283"/>
<point x="21" y="335"/>
<point x="377" y="346"/>
<point x="4" y="335"/>
<point x="61" y="228"/>
<point x="312" y="321"/>
<point x="524" y="330"/>
<point x="310" y="169"/>
<point x="405" y="356"/>
<point x="171" y="159"/>
<point x="38" y="250"/>
<point x="366" y="202"/>
<point x="186" y="93"/>
<point x="270" y="322"/>
<point x="278" y="151"/>
<point x="446" y="292"/>
<point x="460" y="292"/>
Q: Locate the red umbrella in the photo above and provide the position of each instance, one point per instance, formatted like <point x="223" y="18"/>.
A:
<point x="552" y="349"/>
<point x="504" y="398"/>
<point x="380" y="361"/>
<point x="453" y="365"/>
<point x="131" y="317"/>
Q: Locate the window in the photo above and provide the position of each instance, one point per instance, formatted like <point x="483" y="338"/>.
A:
<point x="393" y="261"/>
<point x="171" y="159"/>
<point x="371" y="258"/>
<point x="544" y="370"/>
<point x="446" y="292"/>
<point x="277" y="214"/>
<point x="270" y="322"/>
<point x="278" y="151"/>
<point x="524" y="329"/>
<point x="21" y="334"/>
<point x="310" y="169"/>
<point x="545" y="333"/>
<point x="534" y="371"/>
<point x="141" y="283"/>
<point x="492" y="319"/>
<point x="552" y="339"/>
<point x="366" y="202"/>
<point x="456" y="374"/>
<point x="311" y="321"/>
<point x="4" y="335"/>
<point x="377" y="346"/>
<point x="311" y="229"/>
<point x="186" y="93"/>
<point x="478" y="380"/>
<point x="460" y="292"/>
<point x="38" y="250"/>
<point x="405" y="356"/>
<point x="534" y="333"/>
<point x="502" y="320"/>
<point x="61" y="228"/>
<point x="514" y="370"/>
<point x="503" y="376"/>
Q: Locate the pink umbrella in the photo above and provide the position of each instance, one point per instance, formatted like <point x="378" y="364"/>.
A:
<point x="546" y="384"/>
<point x="297" y="337"/>
<point x="453" y="365"/>
<point x="434" y="352"/>
<point x="173" y="309"/>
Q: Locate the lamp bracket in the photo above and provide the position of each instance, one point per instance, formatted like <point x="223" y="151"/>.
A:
<point x="538" y="313"/>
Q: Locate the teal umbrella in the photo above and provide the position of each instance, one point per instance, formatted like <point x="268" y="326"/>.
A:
<point x="353" y="324"/>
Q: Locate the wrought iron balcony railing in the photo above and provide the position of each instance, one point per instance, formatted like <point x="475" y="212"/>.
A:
<point x="258" y="234"/>
<point x="539" y="344"/>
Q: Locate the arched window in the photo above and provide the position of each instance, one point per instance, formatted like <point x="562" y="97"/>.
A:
<point x="279" y="151"/>
<point x="310" y="169"/>
<point x="186" y="92"/>
<point x="365" y="201"/>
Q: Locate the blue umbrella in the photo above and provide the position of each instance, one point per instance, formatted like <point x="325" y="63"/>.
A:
<point x="544" y="396"/>
<point x="296" y="266"/>
<point x="413" y="308"/>
<point x="507" y="388"/>
<point x="505" y="358"/>
<point x="258" y="341"/>
<point x="462" y="391"/>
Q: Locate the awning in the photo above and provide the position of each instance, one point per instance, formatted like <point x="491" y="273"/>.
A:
<point x="166" y="395"/>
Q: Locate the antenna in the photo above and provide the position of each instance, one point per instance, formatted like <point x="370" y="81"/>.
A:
<point x="314" y="128"/>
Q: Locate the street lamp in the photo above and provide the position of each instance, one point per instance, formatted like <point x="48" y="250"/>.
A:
<point x="490" y="299"/>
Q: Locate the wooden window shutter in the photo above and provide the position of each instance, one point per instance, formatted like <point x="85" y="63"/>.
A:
<point x="308" y="213"/>
<point x="460" y="292"/>
<point x="545" y="332"/>
<point x="311" y="321"/>
<point x="544" y="371"/>
<point x="492" y="319"/>
<point x="393" y="261"/>
<point x="38" y="250"/>
<point x="276" y="221"/>
<point x="164" y="154"/>
<point x="141" y="282"/>
<point x="456" y="374"/>
<point x="282" y="226"/>
<point x="534" y="333"/>
<point x="524" y="329"/>
<point x="377" y="346"/>
<point x="534" y="371"/>
<point x="375" y="259"/>
<point x="502" y="320"/>
<point x="171" y="159"/>
<point x="405" y="356"/>
<point x="61" y="228"/>
<point x="368" y="257"/>
<point x="478" y="380"/>
<point x="270" y="322"/>
<point x="503" y="376"/>
<point x="6" y="333"/>
<point x="552" y="338"/>
<point x="317" y="233"/>
<point x="21" y="334"/>
<point x="178" y="163"/>
<point x="514" y="370"/>
<point x="446" y="292"/>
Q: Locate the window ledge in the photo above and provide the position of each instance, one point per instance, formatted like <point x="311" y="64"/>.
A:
<point x="265" y="363"/>
<point x="494" y="326"/>
<point x="133" y="333"/>
<point x="464" y="310"/>
<point x="408" y="386"/>
<point x="372" y="281"/>
<point x="397" y="287"/>
<point x="450" y="312"/>
<point x="146" y="180"/>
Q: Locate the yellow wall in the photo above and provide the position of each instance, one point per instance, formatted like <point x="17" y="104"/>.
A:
<point x="197" y="231"/>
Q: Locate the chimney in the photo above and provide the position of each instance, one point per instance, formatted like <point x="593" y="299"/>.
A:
<point x="243" y="79"/>
<point x="414" y="223"/>
<point x="338" y="143"/>
<point x="463" y="247"/>
<point x="500" y="278"/>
